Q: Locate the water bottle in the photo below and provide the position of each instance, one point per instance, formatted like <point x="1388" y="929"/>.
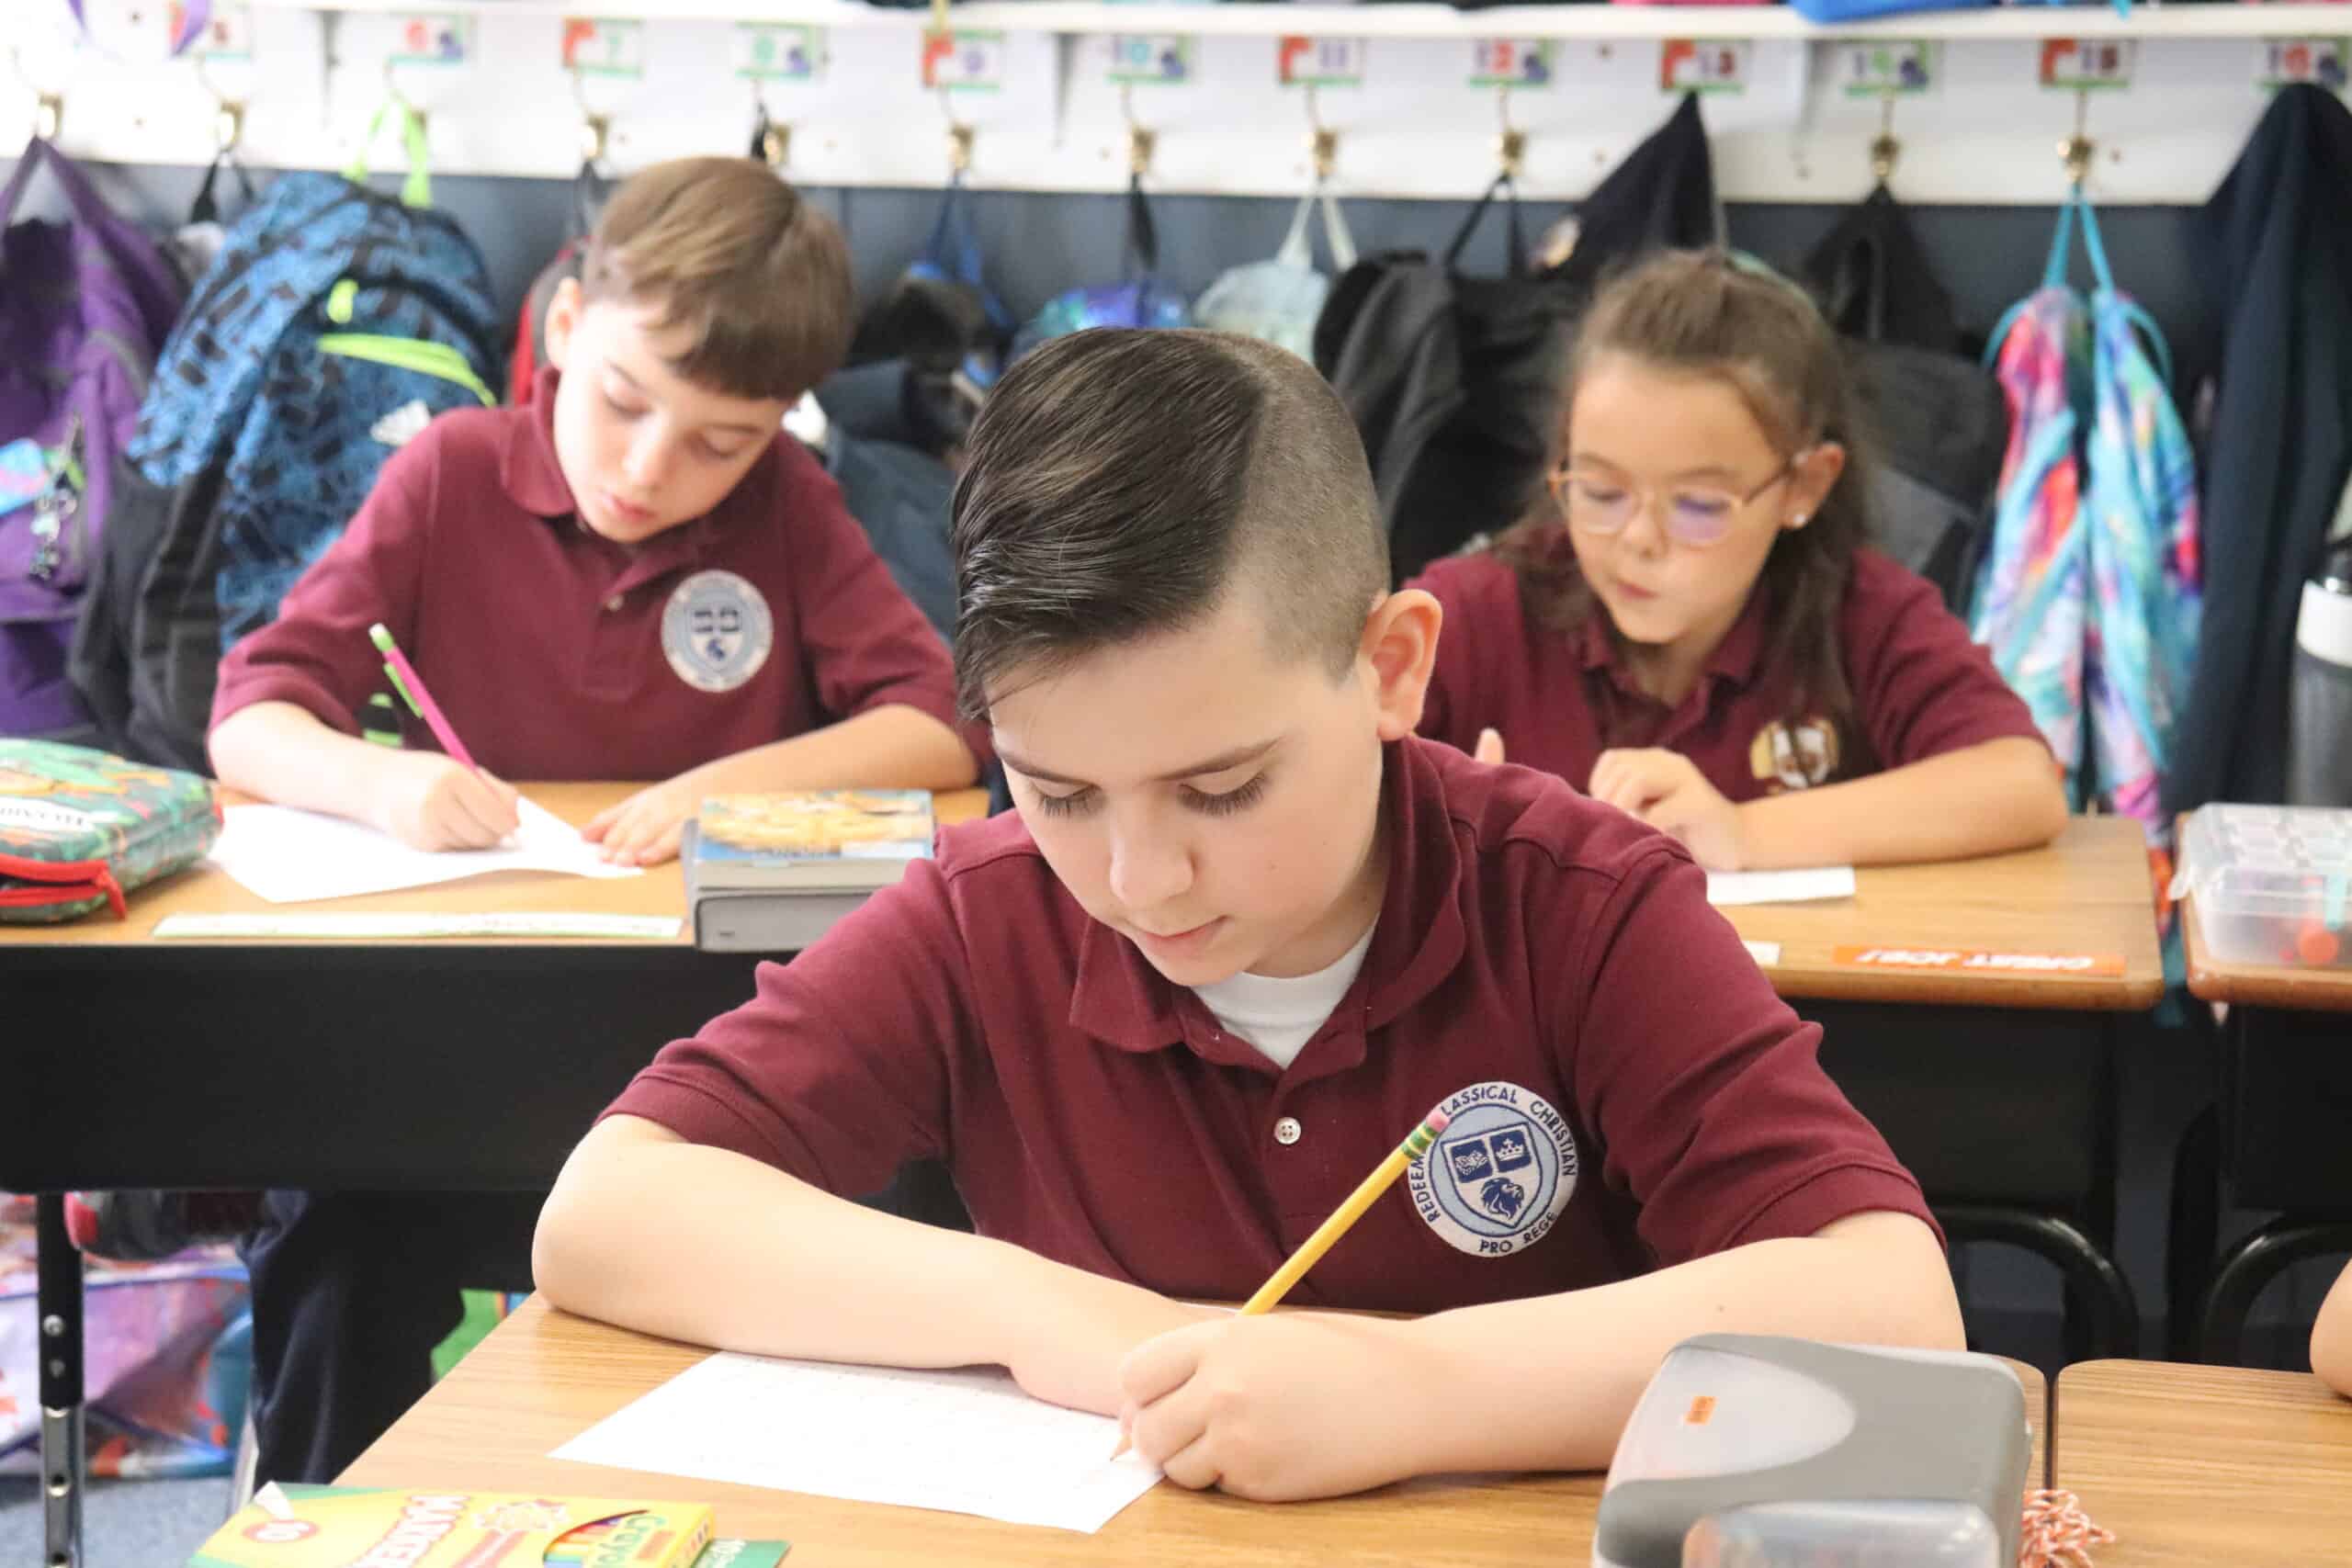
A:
<point x="2319" y="703"/>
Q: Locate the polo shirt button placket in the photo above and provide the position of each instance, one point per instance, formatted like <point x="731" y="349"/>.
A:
<point x="614" y="603"/>
<point x="1287" y="1130"/>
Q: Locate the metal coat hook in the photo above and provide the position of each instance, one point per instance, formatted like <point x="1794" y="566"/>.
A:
<point x="1510" y="142"/>
<point x="1141" y="143"/>
<point x="48" y="107"/>
<point x="770" y="141"/>
<point x="2078" y="149"/>
<point x="959" y="135"/>
<point x="392" y="91"/>
<point x="596" y="130"/>
<point x="228" y="114"/>
<point x="1322" y="142"/>
<point x="1884" y="149"/>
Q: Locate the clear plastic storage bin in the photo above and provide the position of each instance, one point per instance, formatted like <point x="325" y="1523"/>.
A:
<point x="2272" y="884"/>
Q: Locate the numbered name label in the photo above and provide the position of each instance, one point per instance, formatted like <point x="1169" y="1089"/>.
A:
<point x="227" y="33"/>
<point x="604" y="46"/>
<point x="1512" y="62"/>
<point x="1137" y="58"/>
<point x="2286" y="61"/>
<point x="1895" y="69"/>
<point x="964" y="62"/>
<point x="2078" y="65"/>
<point x="1301" y="61"/>
<point x="431" y="38"/>
<point x="766" y="52"/>
<point x="1978" y="961"/>
<point x="1703" y="65"/>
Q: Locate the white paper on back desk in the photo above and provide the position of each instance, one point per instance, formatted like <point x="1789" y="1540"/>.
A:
<point x="1726" y="888"/>
<point x="291" y="857"/>
<point x="967" y="1439"/>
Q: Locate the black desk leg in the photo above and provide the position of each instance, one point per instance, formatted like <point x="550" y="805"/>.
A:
<point x="59" y="1301"/>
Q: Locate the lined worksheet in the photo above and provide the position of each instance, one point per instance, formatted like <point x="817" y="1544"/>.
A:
<point x="967" y="1440"/>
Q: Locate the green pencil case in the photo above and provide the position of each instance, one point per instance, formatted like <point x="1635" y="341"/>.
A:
<point x="80" y="828"/>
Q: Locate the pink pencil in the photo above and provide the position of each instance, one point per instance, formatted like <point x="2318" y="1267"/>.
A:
<point x="410" y="685"/>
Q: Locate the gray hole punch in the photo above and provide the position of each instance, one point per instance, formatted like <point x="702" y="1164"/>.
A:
<point x="1752" y="1451"/>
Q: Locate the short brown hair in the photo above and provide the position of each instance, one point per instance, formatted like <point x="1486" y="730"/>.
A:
<point x="1719" y="314"/>
<point x="1120" y="482"/>
<point x="721" y="247"/>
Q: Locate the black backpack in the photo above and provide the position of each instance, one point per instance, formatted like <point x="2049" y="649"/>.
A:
<point x="1453" y="381"/>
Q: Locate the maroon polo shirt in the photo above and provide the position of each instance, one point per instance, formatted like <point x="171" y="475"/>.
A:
<point x="558" y="654"/>
<point x="1626" y="1090"/>
<point x="1920" y="688"/>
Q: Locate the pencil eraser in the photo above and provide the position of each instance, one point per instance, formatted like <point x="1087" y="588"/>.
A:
<point x="1437" y="1122"/>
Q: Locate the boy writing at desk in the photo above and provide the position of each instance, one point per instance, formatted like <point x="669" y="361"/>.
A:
<point x="1245" y="932"/>
<point x="634" y="576"/>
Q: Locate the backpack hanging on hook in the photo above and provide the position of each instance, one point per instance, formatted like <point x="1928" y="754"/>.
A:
<point x="2091" y="590"/>
<point x="1277" y="300"/>
<point x="1138" y="300"/>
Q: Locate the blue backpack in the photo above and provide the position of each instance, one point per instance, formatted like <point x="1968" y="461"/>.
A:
<point x="335" y="323"/>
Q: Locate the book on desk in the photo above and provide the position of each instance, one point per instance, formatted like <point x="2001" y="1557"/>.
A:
<point x="772" y="872"/>
<point x="290" y="1526"/>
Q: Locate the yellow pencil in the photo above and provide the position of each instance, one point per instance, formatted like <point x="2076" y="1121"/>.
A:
<point x="1271" y="1294"/>
<point x="1311" y="1250"/>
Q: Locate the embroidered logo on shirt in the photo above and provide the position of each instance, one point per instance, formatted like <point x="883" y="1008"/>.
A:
<point x="717" y="631"/>
<point x="1501" y="1174"/>
<point x="1794" y="759"/>
<point x="403" y="424"/>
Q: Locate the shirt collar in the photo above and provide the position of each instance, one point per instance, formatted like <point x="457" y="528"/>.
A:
<point x="527" y="469"/>
<point x="1416" y="939"/>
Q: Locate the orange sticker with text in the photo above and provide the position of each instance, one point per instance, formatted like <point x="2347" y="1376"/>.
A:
<point x="1977" y="960"/>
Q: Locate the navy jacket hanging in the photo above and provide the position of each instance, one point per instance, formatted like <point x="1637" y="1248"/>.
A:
<point x="2276" y="243"/>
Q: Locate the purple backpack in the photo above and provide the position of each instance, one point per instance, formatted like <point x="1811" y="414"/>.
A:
<point x="84" y="306"/>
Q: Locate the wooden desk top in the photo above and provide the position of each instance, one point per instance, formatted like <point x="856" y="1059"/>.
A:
<point x="204" y="890"/>
<point x="2260" y="985"/>
<point x="2207" y="1467"/>
<point x="2088" y="893"/>
<point x="544" y="1377"/>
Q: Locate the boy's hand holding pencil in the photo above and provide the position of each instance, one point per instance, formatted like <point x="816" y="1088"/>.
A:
<point x="1303" y="1405"/>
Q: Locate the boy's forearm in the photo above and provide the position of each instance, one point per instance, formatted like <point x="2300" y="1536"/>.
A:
<point x="703" y="1245"/>
<point x="1984" y="799"/>
<point x="281" y="752"/>
<point x="892" y="747"/>
<point x="1548" y="1383"/>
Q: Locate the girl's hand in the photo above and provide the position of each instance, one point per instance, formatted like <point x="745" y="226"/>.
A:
<point x="1666" y="791"/>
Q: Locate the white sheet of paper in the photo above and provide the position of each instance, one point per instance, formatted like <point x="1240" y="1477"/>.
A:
<point x="967" y="1440"/>
<point x="1727" y="888"/>
<point x="291" y="857"/>
<point x="1766" y="954"/>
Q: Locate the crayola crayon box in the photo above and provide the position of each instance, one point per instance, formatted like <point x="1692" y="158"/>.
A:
<point x="342" y="1527"/>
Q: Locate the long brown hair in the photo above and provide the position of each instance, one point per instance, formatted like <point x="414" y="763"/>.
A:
<point x="1709" y="313"/>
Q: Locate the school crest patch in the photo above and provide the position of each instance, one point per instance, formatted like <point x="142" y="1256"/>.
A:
<point x="1794" y="759"/>
<point x="1499" y="1175"/>
<point x="717" y="631"/>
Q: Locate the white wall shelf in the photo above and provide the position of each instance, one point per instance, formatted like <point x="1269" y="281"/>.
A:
<point x="1416" y="127"/>
<point x="2028" y="20"/>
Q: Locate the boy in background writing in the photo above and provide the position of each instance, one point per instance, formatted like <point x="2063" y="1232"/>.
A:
<point x="634" y="576"/>
<point x="1244" y="933"/>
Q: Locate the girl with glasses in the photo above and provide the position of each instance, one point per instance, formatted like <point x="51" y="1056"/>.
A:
<point x="1691" y="626"/>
